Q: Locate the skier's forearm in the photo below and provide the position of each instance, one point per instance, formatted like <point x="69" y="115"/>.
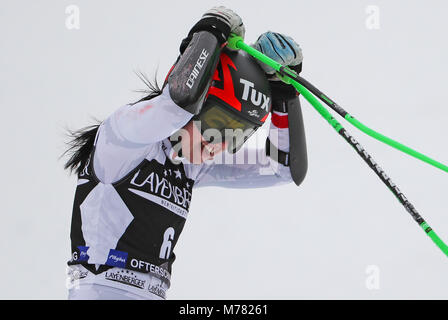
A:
<point x="286" y="144"/>
<point x="191" y="77"/>
<point x="279" y="131"/>
<point x="249" y="168"/>
<point x="279" y="128"/>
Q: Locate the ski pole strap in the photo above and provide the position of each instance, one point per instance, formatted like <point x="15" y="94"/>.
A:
<point x="277" y="155"/>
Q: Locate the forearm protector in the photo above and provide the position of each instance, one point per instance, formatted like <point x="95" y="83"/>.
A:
<point x="286" y="100"/>
<point x="191" y="77"/>
<point x="297" y="142"/>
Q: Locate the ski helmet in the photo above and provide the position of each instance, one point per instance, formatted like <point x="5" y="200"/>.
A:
<point x="239" y="98"/>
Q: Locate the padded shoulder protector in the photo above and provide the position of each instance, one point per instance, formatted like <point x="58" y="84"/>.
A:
<point x="191" y="77"/>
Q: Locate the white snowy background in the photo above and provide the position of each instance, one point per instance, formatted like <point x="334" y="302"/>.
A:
<point x="341" y="235"/>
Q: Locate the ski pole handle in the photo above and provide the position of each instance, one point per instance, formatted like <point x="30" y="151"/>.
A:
<point x="236" y="42"/>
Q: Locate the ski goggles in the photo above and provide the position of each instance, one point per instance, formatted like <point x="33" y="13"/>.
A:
<point x="217" y="125"/>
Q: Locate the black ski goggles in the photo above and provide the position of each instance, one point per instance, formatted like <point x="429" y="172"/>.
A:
<point x="219" y="125"/>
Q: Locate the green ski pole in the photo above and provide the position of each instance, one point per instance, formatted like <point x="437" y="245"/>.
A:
<point x="290" y="76"/>
<point x="284" y="71"/>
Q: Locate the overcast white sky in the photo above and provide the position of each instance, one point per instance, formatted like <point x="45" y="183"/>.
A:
<point x="321" y="240"/>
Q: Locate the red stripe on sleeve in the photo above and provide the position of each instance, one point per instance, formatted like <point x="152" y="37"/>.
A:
<point x="280" y="121"/>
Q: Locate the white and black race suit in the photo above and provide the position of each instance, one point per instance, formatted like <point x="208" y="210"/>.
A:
<point x="132" y="200"/>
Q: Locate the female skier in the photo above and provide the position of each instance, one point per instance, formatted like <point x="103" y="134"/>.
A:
<point x="137" y="169"/>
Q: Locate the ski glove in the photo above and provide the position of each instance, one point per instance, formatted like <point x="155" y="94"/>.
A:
<point x="285" y="51"/>
<point x="280" y="48"/>
<point x="220" y="21"/>
<point x="229" y="17"/>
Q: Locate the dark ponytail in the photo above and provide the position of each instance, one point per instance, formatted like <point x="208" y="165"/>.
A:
<point x="80" y="144"/>
<point x="152" y="89"/>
